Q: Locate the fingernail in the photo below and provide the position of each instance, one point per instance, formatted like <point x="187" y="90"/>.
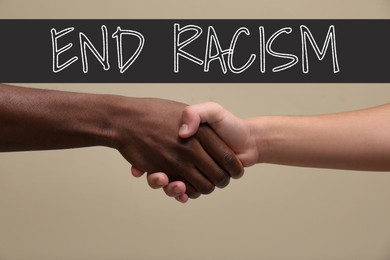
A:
<point x="177" y="190"/>
<point x="183" y="129"/>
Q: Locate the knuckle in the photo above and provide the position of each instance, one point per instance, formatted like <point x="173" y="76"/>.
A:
<point x="239" y="174"/>
<point x="222" y="180"/>
<point x="213" y="104"/>
<point x="194" y="195"/>
<point x="187" y="147"/>
<point x="217" y="106"/>
<point x="229" y="159"/>
<point x="186" y="110"/>
<point x="207" y="188"/>
<point x="232" y="165"/>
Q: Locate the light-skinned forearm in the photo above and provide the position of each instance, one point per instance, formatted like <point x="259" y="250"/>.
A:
<point x="358" y="140"/>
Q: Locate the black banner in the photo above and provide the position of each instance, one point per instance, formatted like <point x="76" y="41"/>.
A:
<point x="195" y="51"/>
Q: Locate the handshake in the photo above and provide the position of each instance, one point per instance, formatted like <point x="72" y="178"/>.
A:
<point x="212" y="161"/>
<point x="190" y="150"/>
<point x="144" y="130"/>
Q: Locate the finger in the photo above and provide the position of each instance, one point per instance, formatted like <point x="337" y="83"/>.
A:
<point x="136" y="172"/>
<point x="194" y="115"/>
<point x="211" y="169"/>
<point x="220" y="152"/>
<point x="175" y="189"/>
<point x="198" y="181"/>
<point x="157" y="180"/>
<point x="190" y="190"/>
<point x="182" y="198"/>
<point x="214" y="173"/>
<point x="194" y="195"/>
<point x="200" y="170"/>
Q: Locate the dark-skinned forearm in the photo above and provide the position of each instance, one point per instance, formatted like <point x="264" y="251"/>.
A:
<point x="37" y="119"/>
<point x="143" y="130"/>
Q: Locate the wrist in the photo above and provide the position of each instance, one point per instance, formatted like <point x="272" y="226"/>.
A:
<point x="111" y="112"/>
<point x="262" y="136"/>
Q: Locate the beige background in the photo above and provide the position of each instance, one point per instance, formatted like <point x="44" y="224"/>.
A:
<point x="83" y="203"/>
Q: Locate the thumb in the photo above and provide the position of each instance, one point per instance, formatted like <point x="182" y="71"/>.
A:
<point x="194" y="115"/>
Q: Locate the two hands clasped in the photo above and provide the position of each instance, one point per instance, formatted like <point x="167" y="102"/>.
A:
<point x="356" y="140"/>
<point x="143" y="130"/>
<point x="190" y="150"/>
<point x="231" y="129"/>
